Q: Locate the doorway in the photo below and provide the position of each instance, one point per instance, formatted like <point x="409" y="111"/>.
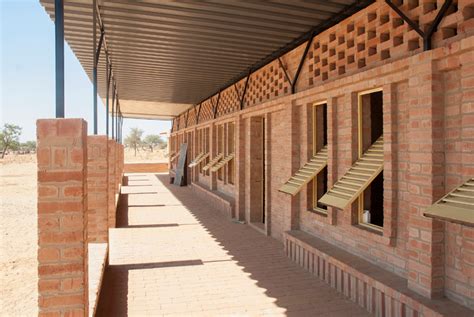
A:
<point x="257" y="172"/>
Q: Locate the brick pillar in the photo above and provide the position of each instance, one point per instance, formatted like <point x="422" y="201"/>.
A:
<point x="119" y="162"/>
<point x="467" y="111"/>
<point x="426" y="177"/>
<point x="195" y="170"/>
<point x="213" y="148"/>
<point x="62" y="220"/>
<point x="112" y="184"/>
<point x="291" y="219"/>
<point x="332" y="152"/>
<point x="239" y="212"/>
<point x="97" y="186"/>
<point x="268" y="172"/>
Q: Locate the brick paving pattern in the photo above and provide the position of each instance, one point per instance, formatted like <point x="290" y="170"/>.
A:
<point x="173" y="253"/>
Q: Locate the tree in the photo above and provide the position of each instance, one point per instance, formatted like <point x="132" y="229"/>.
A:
<point x="9" y="137"/>
<point x="153" y="140"/>
<point x="28" y="146"/>
<point x="134" y="139"/>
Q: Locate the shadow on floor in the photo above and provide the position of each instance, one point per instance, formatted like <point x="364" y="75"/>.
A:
<point x="294" y="289"/>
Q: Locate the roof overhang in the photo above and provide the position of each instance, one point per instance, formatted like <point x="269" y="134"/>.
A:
<point x="167" y="56"/>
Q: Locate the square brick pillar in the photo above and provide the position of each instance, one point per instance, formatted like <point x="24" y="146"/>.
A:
<point x="214" y="152"/>
<point x="239" y="212"/>
<point x="112" y="184"/>
<point x="426" y="177"/>
<point x="122" y="162"/>
<point x="195" y="170"/>
<point x="97" y="186"/>
<point x="62" y="217"/>
<point x="119" y="168"/>
<point x="291" y="219"/>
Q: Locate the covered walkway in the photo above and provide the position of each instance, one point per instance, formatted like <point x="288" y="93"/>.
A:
<point x="174" y="253"/>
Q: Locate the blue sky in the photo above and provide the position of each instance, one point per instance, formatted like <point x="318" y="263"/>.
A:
<point x="27" y="88"/>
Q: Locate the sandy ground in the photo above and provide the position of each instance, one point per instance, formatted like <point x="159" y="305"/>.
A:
<point x="18" y="230"/>
<point x="18" y="236"/>
<point x="156" y="156"/>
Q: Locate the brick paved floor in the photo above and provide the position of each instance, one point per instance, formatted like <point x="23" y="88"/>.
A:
<point x="175" y="254"/>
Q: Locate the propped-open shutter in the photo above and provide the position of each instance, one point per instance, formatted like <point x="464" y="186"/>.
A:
<point x="357" y="179"/>
<point x="201" y="156"/>
<point x="173" y="156"/>
<point x="219" y="165"/>
<point x="457" y="206"/>
<point x="305" y="174"/>
<point x="213" y="161"/>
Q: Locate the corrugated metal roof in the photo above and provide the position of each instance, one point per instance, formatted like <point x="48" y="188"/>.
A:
<point x="168" y="55"/>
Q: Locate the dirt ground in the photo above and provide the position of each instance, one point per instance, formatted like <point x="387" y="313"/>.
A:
<point x="18" y="230"/>
<point x="18" y="236"/>
<point x="143" y="156"/>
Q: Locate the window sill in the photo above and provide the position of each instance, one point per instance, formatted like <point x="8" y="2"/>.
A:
<point x="370" y="229"/>
<point x="319" y="211"/>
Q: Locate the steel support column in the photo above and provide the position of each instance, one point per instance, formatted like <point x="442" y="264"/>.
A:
<point x="245" y="90"/>
<point x="426" y="36"/>
<point x="285" y="72"/>
<point x="59" y="54"/>
<point x="94" y="52"/>
<point x="108" y="75"/>
<point x="217" y="104"/>
<point x="300" y="66"/>
<point x="199" y="113"/>
<point x="114" y="100"/>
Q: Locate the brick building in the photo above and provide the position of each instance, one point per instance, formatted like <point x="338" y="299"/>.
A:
<point x="377" y="131"/>
<point x="352" y="145"/>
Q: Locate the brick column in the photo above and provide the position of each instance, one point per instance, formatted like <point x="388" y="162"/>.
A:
<point x="291" y="221"/>
<point x="467" y="111"/>
<point x="239" y="212"/>
<point x="214" y="152"/>
<point x="195" y="170"/>
<point x="332" y="151"/>
<point x="426" y="177"/>
<point x="112" y="183"/>
<point x="62" y="220"/>
<point x="97" y="186"/>
<point x="120" y="158"/>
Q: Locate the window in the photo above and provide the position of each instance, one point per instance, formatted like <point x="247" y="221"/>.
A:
<point x="320" y="142"/>
<point x="370" y="206"/>
<point x="220" y="148"/>
<point x="203" y="140"/>
<point x="225" y="168"/>
<point x="364" y="180"/>
<point x="318" y="161"/>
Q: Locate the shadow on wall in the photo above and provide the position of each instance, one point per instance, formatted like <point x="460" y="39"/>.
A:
<point x="260" y="256"/>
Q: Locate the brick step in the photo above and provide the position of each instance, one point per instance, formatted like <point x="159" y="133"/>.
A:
<point x="380" y="292"/>
<point x="224" y="202"/>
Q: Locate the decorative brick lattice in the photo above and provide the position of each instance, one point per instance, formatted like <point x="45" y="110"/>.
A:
<point x="207" y="110"/>
<point x="182" y="120"/>
<point x="230" y="99"/>
<point x="371" y="37"/>
<point x="377" y="34"/>
<point x="192" y="116"/>
<point x="267" y="83"/>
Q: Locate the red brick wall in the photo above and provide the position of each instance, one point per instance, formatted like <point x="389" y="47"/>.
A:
<point x="458" y="85"/>
<point x="113" y="169"/>
<point x="428" y="124"/>
<point x="371" y="37"/>
<point x="62" y="217"/>
<point x="97" y="186"/>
